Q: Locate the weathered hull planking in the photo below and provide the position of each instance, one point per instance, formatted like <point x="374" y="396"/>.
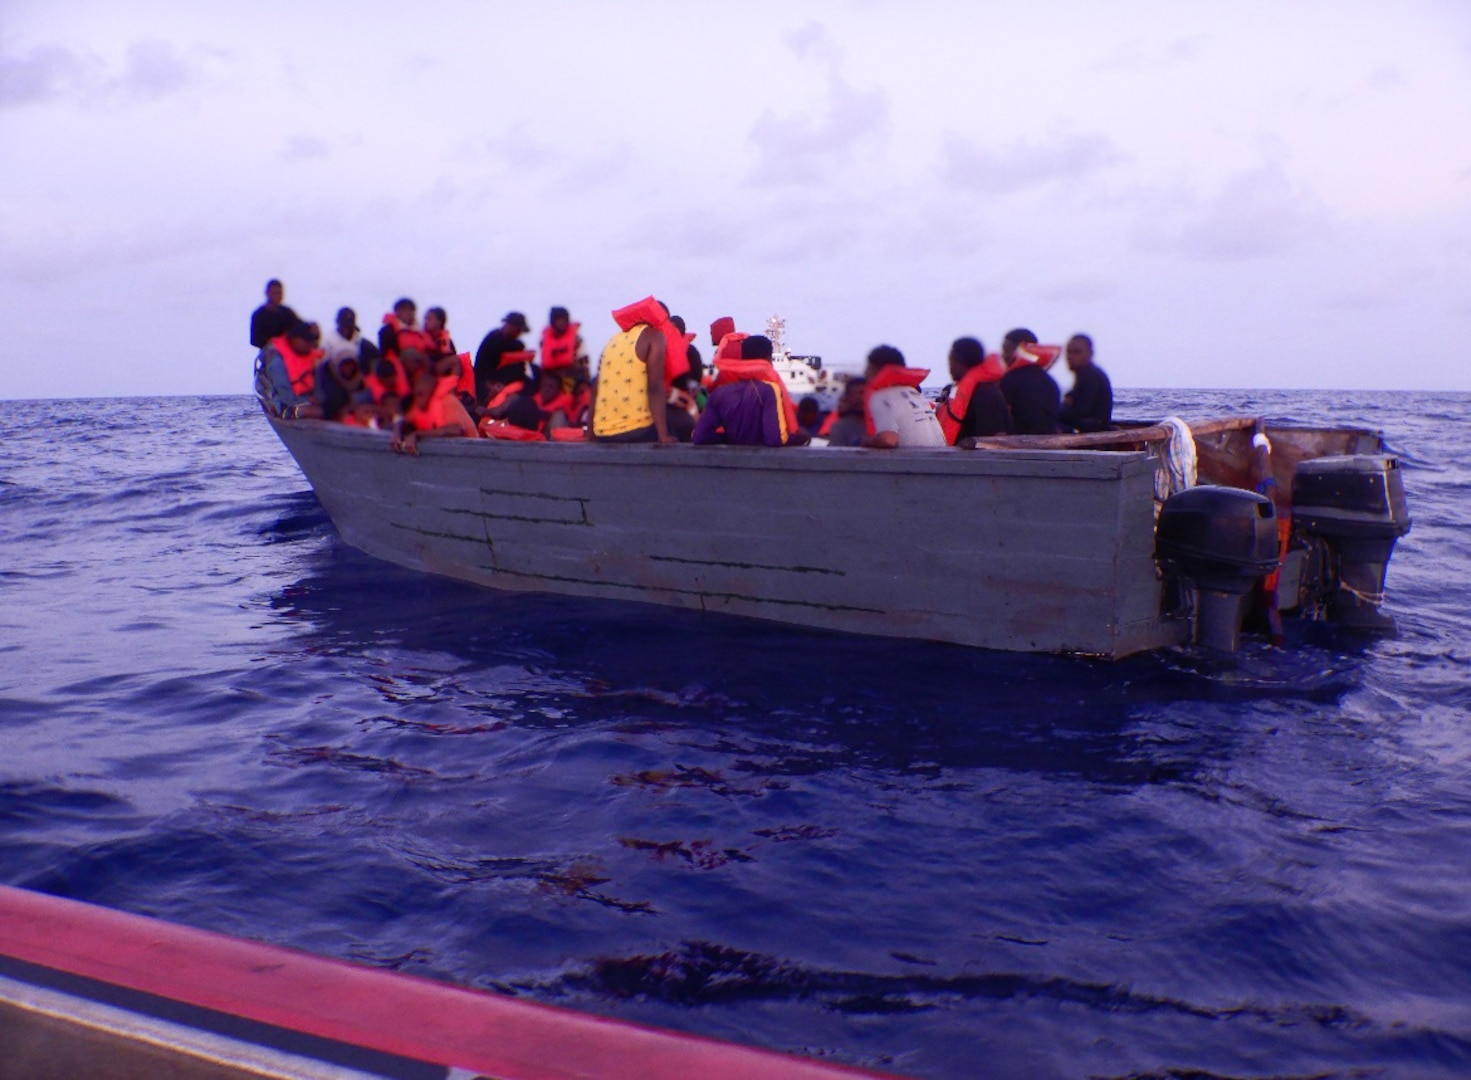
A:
<point x="1027" y="550"/>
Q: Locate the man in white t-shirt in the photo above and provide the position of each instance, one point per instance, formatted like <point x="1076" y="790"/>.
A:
<point x="898" y="414"/>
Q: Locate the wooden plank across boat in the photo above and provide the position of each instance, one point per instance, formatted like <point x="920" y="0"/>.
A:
<point x="1035" y="544"/>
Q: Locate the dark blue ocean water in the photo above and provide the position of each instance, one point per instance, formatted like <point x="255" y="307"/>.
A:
<point x="922" y="858"/>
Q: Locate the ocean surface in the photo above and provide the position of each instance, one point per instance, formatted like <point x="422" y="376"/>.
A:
<point x="925" y="859"/>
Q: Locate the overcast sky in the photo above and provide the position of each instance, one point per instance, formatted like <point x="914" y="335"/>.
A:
<point x="1272" y="194"/>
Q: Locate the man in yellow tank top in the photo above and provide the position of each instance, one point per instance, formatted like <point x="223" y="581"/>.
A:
<point x="631" y="398"/>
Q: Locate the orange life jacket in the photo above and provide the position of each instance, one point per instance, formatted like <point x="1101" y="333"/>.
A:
<point x="568" y="434"/>
<point x="408" y="338"/>
<point x="466" y="385"/>
<point x="581" y="402"/>
<point x="435" y="413"/>
<point x="889" y="375"/>
<point x="760" y="371"/>
<point x="1044" y="356"/>
<point x="558" y="351"/>
<point x="399" y="385"/>
<point x="524" y="357"/>
<point x="561" y="401"/>
<point x="301" y="370"/>
<point x="827" y="424"/>
<point x="440" y="343"/>
<point x="676" y="345"/>
<point x="951" y="413"/>
<point x="428" y="418"/>
<point x="729" y="347"/>
<point x="503" y="429"/>
<point x="509" y="391"/>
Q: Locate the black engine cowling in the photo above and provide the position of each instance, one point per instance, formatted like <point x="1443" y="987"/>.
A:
<point x="1355" y="507"/>
<point x="1221" y="540"/>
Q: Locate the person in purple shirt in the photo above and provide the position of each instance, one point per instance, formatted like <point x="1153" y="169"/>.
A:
<point x="748" y="411"/>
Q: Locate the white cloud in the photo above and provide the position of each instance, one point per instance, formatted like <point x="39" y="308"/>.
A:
<point x="813" y="146"/>
<point x="150" y="70"/>
<point x="1256" y="213"/>
<point x="1135" y="54"/>
<point x="1023" y="164"/>
<point x="304" y="148"/>
<point x="44" y="74"/>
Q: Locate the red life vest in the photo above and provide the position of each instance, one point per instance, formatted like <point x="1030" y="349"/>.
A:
<point x="558" y="351"/>
<point x="301" y="370"/>
<point x="408" y="338"/>
<point x="503" y="429"/>
<point x="524" y="357"/>
<point x="676" y="345"/>
<point x="440" y="343"/>
<point x="581" y="401"/>
<point x="508" y="391"/>
<point x="827" y="424"/>
<point x="399" y="384"/>
<point x="466" y="384"/>
<point x="760" y="371"/>
<point x="730" y="347"/>
<point x="951" y="413"/>
<point x="561" y="401"/>
<point x="889" y="375"/>
<point x="435" y="413"/>
<point x="720" y="327"/>
<point x="1044" y="356"/>
<point x="568" y="434"/>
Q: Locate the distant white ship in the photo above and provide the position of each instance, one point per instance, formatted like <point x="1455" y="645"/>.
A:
<point x="803" y="375"/>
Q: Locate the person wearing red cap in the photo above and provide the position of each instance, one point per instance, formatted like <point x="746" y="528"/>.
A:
<point x="726" y="340"/>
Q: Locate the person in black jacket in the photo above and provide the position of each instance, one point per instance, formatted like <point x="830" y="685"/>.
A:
<point x="273" y="318"/>
<point x="1030" y="393"/>
<point x="1088" y="406"/>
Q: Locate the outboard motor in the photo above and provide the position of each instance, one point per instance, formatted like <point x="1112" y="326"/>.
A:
<point x="1355" y="506"/>
<point x="1221" y="540"/>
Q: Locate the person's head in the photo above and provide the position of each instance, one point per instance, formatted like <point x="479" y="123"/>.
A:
<point x="315" y="333"/>
<point x="406" y="310"/>
<point x="1012" y="339"/>
<point x="514" y="324"/>
<point x="560" y="318"/>
<point x="347" y="322"/>
<point x="275" y="293"/>
<point x="435" y="319"/>
<point x="299" y="337"/>
<point x="347" y="372"/>
<point x="882" y="357"/>
<point x="720" y="327"/>
<point x="808" y="411"/>
<point x="551" y="384"/>
<point x="851" y="403"/>
<point x="965" y="353"/>
<point x="1079" y="351"/>
<point x="387" y="374"/>
<point x="756" y="347"/>
<point x="424" y="384"/>
<point x="677" y="321"/>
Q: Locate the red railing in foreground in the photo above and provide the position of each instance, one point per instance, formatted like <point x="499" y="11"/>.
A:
<point x="384" y="1011"/>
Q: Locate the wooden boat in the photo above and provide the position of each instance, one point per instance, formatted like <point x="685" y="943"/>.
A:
<point x="1036" y="544"/>
<point x="90" y="992"/>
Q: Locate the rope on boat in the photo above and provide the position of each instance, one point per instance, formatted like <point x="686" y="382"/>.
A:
<point x="1177" y="466"/>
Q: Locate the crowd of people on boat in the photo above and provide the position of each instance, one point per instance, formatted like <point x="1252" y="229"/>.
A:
<point x="651" y="385"/>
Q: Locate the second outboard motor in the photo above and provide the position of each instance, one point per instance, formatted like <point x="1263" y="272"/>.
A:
<point x="1223" y="541"/>
<point x="1356" y="506"/>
